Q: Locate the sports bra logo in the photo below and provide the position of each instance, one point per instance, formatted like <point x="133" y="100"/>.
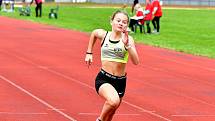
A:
<point x="119" y="52"/>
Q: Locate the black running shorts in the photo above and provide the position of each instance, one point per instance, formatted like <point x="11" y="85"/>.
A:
<point x="119" y="83"/>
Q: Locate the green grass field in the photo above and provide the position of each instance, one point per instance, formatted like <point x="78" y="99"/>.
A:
<point x="189" y="31"/>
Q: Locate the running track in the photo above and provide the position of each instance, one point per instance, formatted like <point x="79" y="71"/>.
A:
<point x="43" y="77"/>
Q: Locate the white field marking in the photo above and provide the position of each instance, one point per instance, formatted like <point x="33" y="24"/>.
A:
<point x="194" y="115"/>
<point x="28" y="113"/>
<point x="180" y="74"/>
<point x="149" y="112"/>
<point x="43" y="67"/>
<point x="137" y="107"/>
<point x="130" y="104"/>
<point x="47" y="69"/>
<point x="67" y="77"/>
<point x="74" y="80"/>
<point x="179" y="62"/>
<point x="119" y="114"/>
<point x="56" y="109"/>
<point x="38" y="99"/>
<point x="180" y="94"/>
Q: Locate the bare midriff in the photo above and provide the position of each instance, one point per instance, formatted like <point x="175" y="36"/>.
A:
<point x="114" y="68"/>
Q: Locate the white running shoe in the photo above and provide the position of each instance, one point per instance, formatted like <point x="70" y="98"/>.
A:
<point x="154" y="31"/>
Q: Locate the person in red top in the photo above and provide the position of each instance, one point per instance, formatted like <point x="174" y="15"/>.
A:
<point x="38" y="7"/>
<point x="137" y="19"/>
<point x="139" y="14"/>
<point x="157" y="13"/>
<point x="148" y="16"/>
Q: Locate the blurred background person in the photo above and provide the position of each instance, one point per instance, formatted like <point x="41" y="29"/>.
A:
<point x="134" y="3"/>
<point x="157" y="14"/>
<point x="148" y="16"/>
<point x="0" y="4"/>
<point x="137" y="19"/>
<point x="38" y="8"/>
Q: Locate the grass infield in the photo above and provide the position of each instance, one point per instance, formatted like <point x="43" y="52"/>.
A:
<point x="186" y="30"/>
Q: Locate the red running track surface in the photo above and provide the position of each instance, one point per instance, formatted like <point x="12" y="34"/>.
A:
<point x="43" y="77"/>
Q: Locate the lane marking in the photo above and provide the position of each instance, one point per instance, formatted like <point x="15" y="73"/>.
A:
<point x="56" y="109"/>
<point x="193" y="115"/>
<point x="19" y="113"/>
<point x="137" y="107"/>
<point x="67" y="77"/>
<point x="184" y="63"/>
<point x="182" y="75"/>
<point x="177" y="93"/>
<point x="84" y="84"/>
<point x="38" y="99"/>
<point x="130" y="104"/>
<point x="119" y="114"/>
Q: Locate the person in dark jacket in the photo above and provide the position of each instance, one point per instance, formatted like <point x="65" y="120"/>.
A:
<point x="157" y="14"/>
<point x="38" y="8"/>
<point x="148" y="17"/>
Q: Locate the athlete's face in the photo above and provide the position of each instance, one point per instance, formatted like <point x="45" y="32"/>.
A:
<point x="120" y="22"/>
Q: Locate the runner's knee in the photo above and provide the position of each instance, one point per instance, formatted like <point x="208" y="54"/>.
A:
<point x="113" y="102"/>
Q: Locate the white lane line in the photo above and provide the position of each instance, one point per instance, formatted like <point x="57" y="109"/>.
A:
<point x="137" y="107"/>
<point x="66" y="77"/>
<point x="130" y="104"/>
<point x="184" y="63"/>
<point x="119" y="114"/>
<point x="194" y="115"/>
<point x="19" y="113"/>
<point x="56" y="109"/>
<point x="84" y="84"/>
<point x="38" y="99"/>
<point x="178" y="93"/>
<point x="149" y="112"/>
<point x="183" y="75"/>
